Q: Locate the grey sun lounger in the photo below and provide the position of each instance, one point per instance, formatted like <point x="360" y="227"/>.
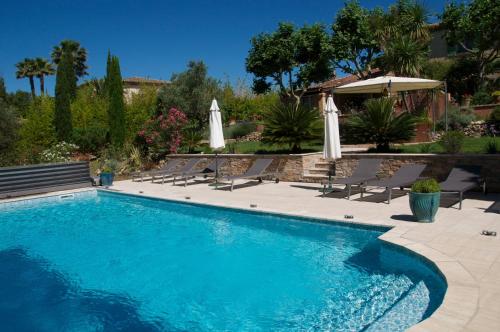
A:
<point x="461" y="179"/>
<point x="187" y="167"/>
<point x="170" y="166"/>
<point x="366" y="171"/>
<point x="211" y="169"/>
<point x="403" y="177"/>
<point x="258" y="170"/>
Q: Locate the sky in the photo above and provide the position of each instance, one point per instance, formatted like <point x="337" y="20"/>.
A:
<point x="153" y="38"/>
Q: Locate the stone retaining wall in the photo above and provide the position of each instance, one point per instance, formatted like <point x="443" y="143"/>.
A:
<point x="293" y="167"/>
<point x="438" y="165"/>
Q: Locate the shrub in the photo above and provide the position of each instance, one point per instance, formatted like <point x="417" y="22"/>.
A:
<point x="426" y="148"/>
<point x="380" y="125"/>
<point x="89" y="139"/>
<point x="492" y="146"/>
<point x="287" y="124"/>
<point x="452" y="141"/>
<point x="239" y="130"/>
<point x="192" y="136"/>
<point x="495" y="116"/>
<point x="482" y="97"/>
<point x="59" y="153"/>
<point x="163" y="134"/>
<point x="458" y="119"/>
<point x="426" y="186"/>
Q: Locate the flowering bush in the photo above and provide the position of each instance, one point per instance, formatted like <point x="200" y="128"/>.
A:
<point x="59" y="153"/>
<point x="163" y="134"/>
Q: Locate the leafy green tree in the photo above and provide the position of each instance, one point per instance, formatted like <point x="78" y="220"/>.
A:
<point x="65" y="92"/>
<point x="116" y="107"/>
<point x="9" y="123"/>
<point x="475" y="23"/>
<point x="404" y="56"/>
<point x="20" y="100"/>
<point x="27" y="69"/>
<point x="37" y="131"/>
<point x="191" y="92"/>
<point x="354" y="40"/>
<point x="286" y="124"/>
<point x="43" y="68"/>
<point x="291" y="59"/>
<point x="79" y="55"/>
<point x="90" y="119"/>
<point x="139" y="108"/>
<point x="437" y="69"/>
<point x="3" y="90"/>
<point x="379" y="124"/>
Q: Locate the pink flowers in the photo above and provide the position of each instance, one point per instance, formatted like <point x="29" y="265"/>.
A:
<point x="164" y="132"/>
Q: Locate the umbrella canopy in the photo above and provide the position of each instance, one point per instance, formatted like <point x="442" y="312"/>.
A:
<point x="331" y="147"/>
<point x="216" y="134"/>
<point x="392" y="84"/>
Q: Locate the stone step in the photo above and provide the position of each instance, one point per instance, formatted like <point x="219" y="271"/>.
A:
<point x="322" y="171"/>
<point x="314" y="178"/>
<point x="322" y="165"/>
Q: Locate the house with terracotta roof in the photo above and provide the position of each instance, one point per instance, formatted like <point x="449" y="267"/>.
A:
<point x="133" y="85"/>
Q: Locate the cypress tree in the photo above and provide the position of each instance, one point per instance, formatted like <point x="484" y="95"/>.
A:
<point x="65" y="92"/>
<point x="116" y="107"/>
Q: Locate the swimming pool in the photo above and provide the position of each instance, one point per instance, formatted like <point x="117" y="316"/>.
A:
<point x="104" y="261"/>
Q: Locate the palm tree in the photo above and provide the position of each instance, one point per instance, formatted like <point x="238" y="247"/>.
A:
<point x="380" y="125"/>
<point x="404" y="56"/>
<point x="27" y="69"/>
<point x="43" y="68"/>
<point x="287" y="124"/>
<point x="79" y="55"/>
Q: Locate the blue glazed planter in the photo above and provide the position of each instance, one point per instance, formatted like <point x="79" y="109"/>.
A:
<point x="106" y="179"/>
<point x="424" y="206"/>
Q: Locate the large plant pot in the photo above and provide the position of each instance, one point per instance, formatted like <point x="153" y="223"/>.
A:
<point x="424" y="206"/>
<point x="106" y="179"/>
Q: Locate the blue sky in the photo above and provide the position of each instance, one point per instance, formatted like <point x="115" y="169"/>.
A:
<point x="152" y="38"/>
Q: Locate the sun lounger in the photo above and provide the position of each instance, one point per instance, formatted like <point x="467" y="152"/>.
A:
<point x="258" y="170"/>
<point x="210" y="169"/>
<point x="403" y="177"/>
<point x="366" y="171"/>
<point x="170" y="166"/>
<point x="187" y="167"/>
<point x="461" y="179"/>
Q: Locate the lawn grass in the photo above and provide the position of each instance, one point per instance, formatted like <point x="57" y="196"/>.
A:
<point x="471" y="145"/>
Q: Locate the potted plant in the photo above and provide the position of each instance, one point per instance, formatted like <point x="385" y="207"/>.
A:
<point x="424" y="199"/>
<point x="107" y="173"/>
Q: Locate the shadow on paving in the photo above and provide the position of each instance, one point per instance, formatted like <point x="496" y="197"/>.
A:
<point x="36" y="298"/>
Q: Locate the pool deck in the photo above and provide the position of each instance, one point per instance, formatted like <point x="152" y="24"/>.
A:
<point x="469" y="261"/>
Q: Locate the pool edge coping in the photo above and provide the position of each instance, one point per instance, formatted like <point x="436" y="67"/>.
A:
<point x="454" y="313"/>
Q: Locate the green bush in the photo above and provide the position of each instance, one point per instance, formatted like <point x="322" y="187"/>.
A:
<point x="239" y="130"/>
<point x="458" y="119"/>
<point x="495" y="116"/>
<point x="482" y="97"/>
<point x="287" y="124"/>
<point x="426" y="186"/>
<point x="452" y="141"/>
<point x="379" y="124"/>
<point x="492" y="146"/>
<point x="89" y="139"/>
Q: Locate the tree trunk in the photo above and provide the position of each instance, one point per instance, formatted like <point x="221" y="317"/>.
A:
<point x="32" y="85"/>
<point x="42" y="84"/>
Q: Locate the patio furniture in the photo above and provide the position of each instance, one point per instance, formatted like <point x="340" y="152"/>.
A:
<point x="170" y="166"/>
<point x="258" y="170"/>
<point x="210" y="169"/>
<point x="463" y="178"/>
<point x="187" y="167"/>
<point x="366" y="171"/>
<point x="403" y="177"/>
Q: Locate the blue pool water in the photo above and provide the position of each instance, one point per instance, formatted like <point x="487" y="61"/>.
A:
<point x="110" y="262"/>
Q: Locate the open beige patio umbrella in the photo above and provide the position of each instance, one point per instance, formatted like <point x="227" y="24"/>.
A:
<point x="216" y="134"/>
<point x="391" y="84"/>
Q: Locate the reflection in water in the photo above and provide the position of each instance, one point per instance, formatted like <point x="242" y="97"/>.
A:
<point x="35" y="298"/>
